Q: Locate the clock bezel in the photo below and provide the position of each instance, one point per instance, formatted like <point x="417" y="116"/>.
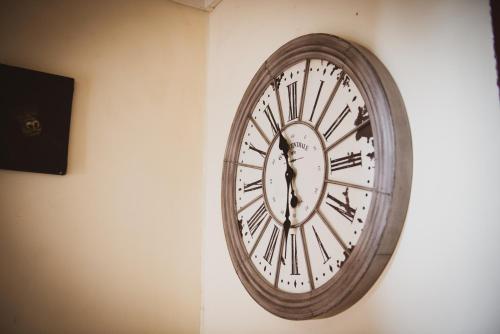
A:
<point x="391" y="189"/>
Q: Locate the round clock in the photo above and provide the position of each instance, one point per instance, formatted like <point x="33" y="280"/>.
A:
<point x="316" y="178"/>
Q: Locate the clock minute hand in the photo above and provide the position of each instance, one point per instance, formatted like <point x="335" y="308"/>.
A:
<point x="283" y="146"/>
<point x="287" y="223"/>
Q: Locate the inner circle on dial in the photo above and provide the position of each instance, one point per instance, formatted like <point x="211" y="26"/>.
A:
<point x="307" y="159"/>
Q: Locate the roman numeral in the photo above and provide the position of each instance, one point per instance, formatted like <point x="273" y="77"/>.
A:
<point x="257" y="218"/>
<point x="268" y="256"/>
<point x="344" y="208"/>
<point x="337" y="122"/>
<point x="252" y="186"/>
<point x="272" y="121"/>
<point x="292" y="101"/>
<point x="316" y="101"/>
<point x="350" y="160"/>
<point x="324" y="254"/>
<point x="365" y="131"/>
<point x="293" y="245"/>
<point x="255" y="149"/>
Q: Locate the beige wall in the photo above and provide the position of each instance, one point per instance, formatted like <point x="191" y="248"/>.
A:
<point x="444" y="277"/>
<point x="115" y="245"/>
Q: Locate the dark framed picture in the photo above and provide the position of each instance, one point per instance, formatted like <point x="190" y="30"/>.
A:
<point x="35" y="115"/>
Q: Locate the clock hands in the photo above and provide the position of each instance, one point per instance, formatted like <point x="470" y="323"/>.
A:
<point x="289" y="175"/>
<point x="287" y="223"/>
<point x="284" y="147"/>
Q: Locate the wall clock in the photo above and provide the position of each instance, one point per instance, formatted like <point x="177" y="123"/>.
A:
<point x="316" y="177"/>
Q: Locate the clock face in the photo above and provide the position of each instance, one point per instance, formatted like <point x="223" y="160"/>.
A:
<point x="316" y="177"/>
<point x="332" y="157"/>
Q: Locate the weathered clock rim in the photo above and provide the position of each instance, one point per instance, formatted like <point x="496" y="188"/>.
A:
<point x="392" y="182"/>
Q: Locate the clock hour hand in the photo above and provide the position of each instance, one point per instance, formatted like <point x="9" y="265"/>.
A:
<point x="284" y="147"/>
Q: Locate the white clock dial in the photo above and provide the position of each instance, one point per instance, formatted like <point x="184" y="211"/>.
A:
<point x="307" y="158"/>
<point x="318" y="112"/>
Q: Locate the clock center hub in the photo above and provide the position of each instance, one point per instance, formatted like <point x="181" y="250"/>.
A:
<point x="307" y="159"/>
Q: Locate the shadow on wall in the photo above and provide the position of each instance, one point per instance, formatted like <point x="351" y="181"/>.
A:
<point x="103" y="249"/>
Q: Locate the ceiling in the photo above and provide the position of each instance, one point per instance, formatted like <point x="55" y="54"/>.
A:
<point x="206" y="5"/>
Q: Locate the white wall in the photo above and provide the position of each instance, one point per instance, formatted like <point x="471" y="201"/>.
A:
<point x="445" y="274"/>
<point x="115" y="245"/>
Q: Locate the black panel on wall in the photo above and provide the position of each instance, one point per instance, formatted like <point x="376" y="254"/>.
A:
<point x="35" y="114"/>
<point x="495" y="18"/>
